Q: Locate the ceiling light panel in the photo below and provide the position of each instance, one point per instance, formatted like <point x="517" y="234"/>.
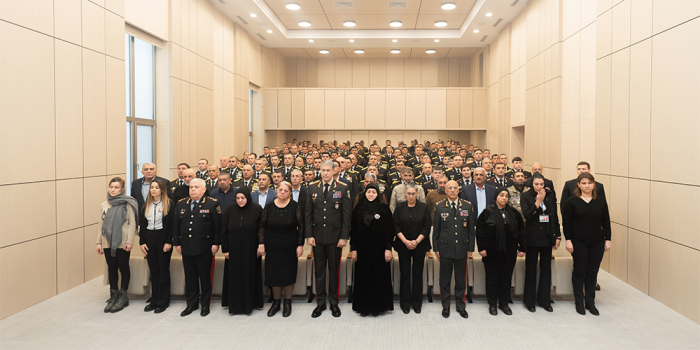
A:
<point x="293" y="6"/>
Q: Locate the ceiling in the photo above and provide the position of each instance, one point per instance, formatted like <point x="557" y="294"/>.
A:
<point x="276" y="26"/>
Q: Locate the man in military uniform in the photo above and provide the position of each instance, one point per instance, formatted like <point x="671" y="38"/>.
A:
<point x="183" y="191"/>
<point x="203" y="172"/>
<point x="516" y="191"/>
<point x="180" y="180"/>
<point x="195" y="232"/>
<point x="213" y="180"/>
<point x="465" y="178"/>
<point x="308" y="178"/>
<point x="259" y="168"/>
<point x="454" y="225"/>
<point x="327" y="219"/>
<point x="223" y="162"/>
<point x="455" y="172"/>
<point x="234" y="169"/>
<point x="518" y="165"/>
<point x="504" y="159"/>
<point x="499" y="178"/>
<point x="247" y="180"/>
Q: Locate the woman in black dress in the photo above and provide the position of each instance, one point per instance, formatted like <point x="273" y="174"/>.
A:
<point x="241" y="244"/>
<point x="587" y="230"/>
<point x="500" y="235"/>
<point x="371" y="238"/>
<point x="283" y="238"/>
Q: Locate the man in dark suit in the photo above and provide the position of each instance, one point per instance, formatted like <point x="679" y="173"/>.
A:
<point x="327" y="221"/>
<point x="548" y="184"/>
<point x="454" y="230"/>
<point x="570" y="186"/>
<point x="264" y="194"/>
<point x="141" y="186"/>
<point x="196" y="236"/>
<point x="299" y="191"/>
<point x="479" y="193"/>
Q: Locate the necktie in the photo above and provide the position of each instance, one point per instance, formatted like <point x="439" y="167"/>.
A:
<point x="192" y="205"/>
<point x="427" y="179"/>
<point x="500" y="181"/>
<point x="454" y="209"/>
<point x="325" y="191"/>
<point x="317" y="174"/>
<point x="246" y="183"/>
<point x="180" y="183"/>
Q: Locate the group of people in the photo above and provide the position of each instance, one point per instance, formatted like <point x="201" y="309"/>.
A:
<point x="445" y="197"/>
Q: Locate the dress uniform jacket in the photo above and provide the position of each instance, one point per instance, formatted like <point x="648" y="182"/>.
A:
<point x="454" y="233"/>
<point x="511" y="172"/>
<point x="327" y="218"/>
<point x="493" y="181"/>
<point x="202" y="174"/>
<point x="183" y="191"/>
<point x="252" y="184"/>
<point x="196" y="231"/>
<point x="236" y="173"/>
<point x="175" y="183"/>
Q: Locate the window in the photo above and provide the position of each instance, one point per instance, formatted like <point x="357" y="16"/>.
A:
<point x="140" y="105"/>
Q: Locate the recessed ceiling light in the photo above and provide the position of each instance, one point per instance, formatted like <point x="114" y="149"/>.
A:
<point x="448" y="6"/>
<point x="437" y="40"/>
<point x="440" y="23"/>
<point x="293" y="6"/>
<point x="253" y="15"/>
<point x="269" y="31"/>
<point x="476" y="30"/>
<point x="395" y="23"/>
<point x="359" y="51"/>
<point x="349" y="23"/>
<point x="393" y="41"/>
<point x="305" y="24"/>
<point x="395" y="51"/>
<point x="324" y="51"/>
<point x="430" y="51"/>
<point x="489" y="14"/>
<point x="311" y="40"/>
<point x="352" y="40"/>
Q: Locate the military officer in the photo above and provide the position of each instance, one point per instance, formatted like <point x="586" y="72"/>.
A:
<point x="453" y="243"/>
<point x="213" y="180"/>
<point x="196" y="236"/>
<point x="327" y="224"/>
<point x="180" y="180"/>
<point x="247" y="180"/>
<point x="234" y="168"/>
<point x="203" y="172"/>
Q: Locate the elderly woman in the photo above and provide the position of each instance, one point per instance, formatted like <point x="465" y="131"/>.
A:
<point x="500" y="235"/>
<point x="370" y="243"/>
<point x="412" y="223"/>
<point x="115" y="240"/>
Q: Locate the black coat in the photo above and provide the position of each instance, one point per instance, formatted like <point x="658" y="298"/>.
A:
<point x="469" y="194"/>
<point x="548" y="184"/>
<point x="412" y="227"/>
<point x="197" y="231"/>
<point x="486" y="232"/>
<point x="540" y="234"/>
<point x="570" y="187"/>
<point x="167" y="224"/>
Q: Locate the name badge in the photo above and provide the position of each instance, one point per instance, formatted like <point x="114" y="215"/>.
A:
<point x="337" y="194"/>
<point x="544" y="218"/>
<point x="464" y="213"/>
<point x="204" y="211"/>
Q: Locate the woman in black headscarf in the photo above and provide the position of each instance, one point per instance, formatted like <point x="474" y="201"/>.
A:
<point x="370" y="242"/>
<point x="241" y="243"/>
<point x="500" y="236"/>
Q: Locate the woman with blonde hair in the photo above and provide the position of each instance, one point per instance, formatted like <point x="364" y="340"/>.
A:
<point x="155" y="231"/>
<point x="115" y="239"/>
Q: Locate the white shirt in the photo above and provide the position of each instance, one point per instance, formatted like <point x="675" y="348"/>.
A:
<point x="155" y="216"/>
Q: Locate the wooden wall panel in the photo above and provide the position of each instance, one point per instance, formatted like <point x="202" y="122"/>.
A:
<point x="302" y="73"/>
<point x="326" y="72"/>
<point x="412" y="72"/>
<point x="377" y="72"/>
<point x="312" y="69"/>
<point x="360" y="72"/>
<point x="354" y="109"/>
<point x="415" y="109"/>
<point x="465" y="73"/>
<point x="299" y="108"/>
<point x="313" y="109"/>
<point x="394" y="72"/>
<point x="290" y="67"/>
<point x="466" y="108"/>
<point x="375" y="108"/>
<point x="343" y="73"/>
<point x="429" y="72"/>
<point x="270" y="96"/>
<point x="334" y="114"/>
<point x="396" y="108"/>
<point x="436" y="109"/>
<point x="452" y="114"/>
<point x="480" y="109"/>
<point x="443" y="72"/>
<point x="284" y="108"/>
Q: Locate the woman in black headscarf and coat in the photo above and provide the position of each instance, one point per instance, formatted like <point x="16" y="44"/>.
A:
<point x="242" y="245"/>
<point x="500" y="237"/>
<point x="371" y="238"/>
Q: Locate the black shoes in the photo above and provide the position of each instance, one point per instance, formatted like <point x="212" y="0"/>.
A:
<point x="149" y="307"/>
<point x="318" y="310"/>
<point x="160" y="309"/>
<point x="205" y="311"/>
<point x="580" y="309"/>
<point x="274" y="308"/>
<point x="506" y="310"/>
<point x="463" y="313"/>
<point x="531" y="309"/>
<point x="149" y="301"/>
<point x="416" y="309"/>
<point x="405" y="309"/>
<point x="493" y="311"/>
<point x="547" y="308"/>
<point x="445" y="313"/>
<point x="287" y="311"/>
<point x="597" y="286"/>
<point x="188" y="311"/>
<point x="592" y="309"/>
<point x="335" y="310"/>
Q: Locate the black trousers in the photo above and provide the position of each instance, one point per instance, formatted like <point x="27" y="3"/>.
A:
<point x="535" y="292"/>
<point x="587" y="259"/>
<point x="499" y="272"/>
<point x="411" y="266"/>
<point x="197" y="272"/>
<point x="159" y="266"/>
<point x="460" y="268"/>
<point x="116" y="264"/>
<point x="327" y="254"/>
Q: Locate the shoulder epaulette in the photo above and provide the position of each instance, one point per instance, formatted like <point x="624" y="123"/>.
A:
<point x="341" y="183"/>
<point x="173" y="179"/>
<point x="212" y="198"/>
<point x="315" y="182"/>
<point x="444" y="199"/>
<point x="182" y="199"/>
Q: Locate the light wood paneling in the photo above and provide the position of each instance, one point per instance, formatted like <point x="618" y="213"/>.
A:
<point x="69" y="260"/>
<point x="394" y="72"/>
<point x="429" y="72"/>
<point x="312" y="67"/>
<point x="326" y="72"/>
<point x="94" y="189"/>
<point x="313" y="108"/>
<point x="284" y="116"/>
<point x="640" y="20"/>
<point x="640" y="110"/>
<point x="638" y="260"/>
<point x="94" y="263"/>
<point x="603" y="107"/>
<point x="270" y="96"/>
<point x="299" y="109"/>
<point x="355" y="109"/>
<point x="621" y="26"/>
<point x="334" y="111"/>
<point x="465" y="78"/>
<point x="23" y="196"/>
<point x="302" y="73"/>
<point x="412" y="72"/>
<point x="618" y="199"/>
<point x="360" y="72"/>
<point x="443" y="72"/>
<point x="94" y="114"/>
<point x="343" y="73"/>
<point x="669" y="280"/>
<point x="452" y="109"/>
<point x="396" y="108"/>
<point x="69" y="216"/>
<point x="114" y="35"/>
<point x="69" y="110"/>
<point x="415" y="109"/>
<point x="16" y="267"/>
<point x="115" y="101"/>
<point x="67" y="20"/>
<point x="619" y="115"/>
<point x="479" y="109"/>
<point x="375" y="108"/>
<point x="377" y="72"/>
<point x="466" y="108"/>
<point x="663" y="219"/>
<point x="436" y="109"/>
<point x="603" y="34"/>
<point x="618" y="255"/>
<point x="454" y="72"/>
<point x="93" y="26"/>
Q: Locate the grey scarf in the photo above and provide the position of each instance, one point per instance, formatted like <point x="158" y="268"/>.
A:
<point x="115" y="217"/>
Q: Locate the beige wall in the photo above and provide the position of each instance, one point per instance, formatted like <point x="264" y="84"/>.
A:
<point x="378" y="109"/>
<point x="378" y="72"/>
<point x="63" y="111"/>
<point x="578" y="76"/>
